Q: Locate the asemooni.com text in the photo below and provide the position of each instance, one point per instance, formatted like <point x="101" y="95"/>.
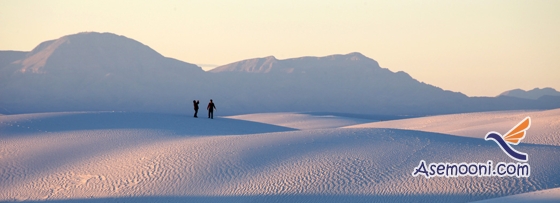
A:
<point x="452" y="170"/>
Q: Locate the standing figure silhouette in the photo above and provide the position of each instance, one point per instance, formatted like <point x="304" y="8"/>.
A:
<point x="211" y="108"/>
<point x="195" y="104"/>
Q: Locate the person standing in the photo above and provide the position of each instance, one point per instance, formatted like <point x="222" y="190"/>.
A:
<point x="195" y="104"/>
<point x="211" y="108"/>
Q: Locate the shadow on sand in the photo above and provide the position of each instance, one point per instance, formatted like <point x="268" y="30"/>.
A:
<point x="177" y="124"/>
<point x="363" y="116"/>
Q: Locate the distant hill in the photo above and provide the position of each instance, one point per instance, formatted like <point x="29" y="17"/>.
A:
<point x="7" y="57"/>
<point x="104" y="71"/>
<point x="531" y="94"/>
<point x="343" y="83"/>
<point x="94" y="71"/>
<point x="337" y="63"/>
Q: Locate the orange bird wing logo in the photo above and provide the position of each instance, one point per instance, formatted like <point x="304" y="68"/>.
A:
<point x="517" y="133"/>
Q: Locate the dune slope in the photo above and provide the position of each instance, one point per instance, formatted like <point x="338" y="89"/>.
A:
<point x="128" y="157"/>
<point x="301" y="121"/>
<point x="545" y="125"/>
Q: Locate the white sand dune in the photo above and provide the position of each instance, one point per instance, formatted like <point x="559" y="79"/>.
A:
<point x="542" y="196"/>
<point x="301" y="121"/>
<point x="545" y="125"/>
<point x="135" y="157"/>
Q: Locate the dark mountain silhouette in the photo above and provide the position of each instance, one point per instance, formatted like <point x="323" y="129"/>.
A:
<point x="531" y="94"/>
<point x="103" y="71"/>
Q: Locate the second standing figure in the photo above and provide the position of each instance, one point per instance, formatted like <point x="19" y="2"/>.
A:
<point x="211" y="108"/>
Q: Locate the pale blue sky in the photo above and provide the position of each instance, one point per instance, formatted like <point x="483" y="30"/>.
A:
<point x="480" y="48"/>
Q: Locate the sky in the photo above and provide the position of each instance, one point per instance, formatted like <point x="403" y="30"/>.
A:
<point x="479" y="47"/>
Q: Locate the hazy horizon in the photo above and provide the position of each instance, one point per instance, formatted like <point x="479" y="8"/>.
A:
<point x="479" y="48"/>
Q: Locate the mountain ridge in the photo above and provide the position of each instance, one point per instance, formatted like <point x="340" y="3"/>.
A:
<point x="108" y="72"/>
<point x="8" y="57"/>
<point x="93" y="71"/>
<point x="272" y="64"/>
<point x="534" y="94"/>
